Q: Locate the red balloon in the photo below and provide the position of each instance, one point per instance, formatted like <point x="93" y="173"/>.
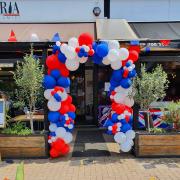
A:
<point x="133" y="55"/>
<point x="114" y="128"/>
<point x="77" y="49"/>
<point x="58" y="144"/>
<point x="52" y="62"/>
<point x="72" y="108"/>
<point x="136" y="48"/>
<point x="124" y="62"/>
<point x="91" y="52"/>
<point x="113" y="93"/>
<point x="127" y="118"/>
<point x="118" y="108"/>
<point x="54" y="153"/>
<point x="48" y="71"/>
<point x="85" y="39"/>
<point x="64" y="71"/>
<point x="125" y="74"/>
<point x="69" y="99"/>
<point x="65" y="150"/>
<point x="64" y="108"/>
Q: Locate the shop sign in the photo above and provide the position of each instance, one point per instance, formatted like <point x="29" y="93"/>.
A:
<point x="9" y="9"/>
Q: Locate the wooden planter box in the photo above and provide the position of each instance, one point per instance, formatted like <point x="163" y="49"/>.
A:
<point x="33" y="146"/>
<point x="157" y="145"/>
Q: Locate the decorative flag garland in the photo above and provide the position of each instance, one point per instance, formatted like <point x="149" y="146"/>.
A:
<point x="67" y="57"/>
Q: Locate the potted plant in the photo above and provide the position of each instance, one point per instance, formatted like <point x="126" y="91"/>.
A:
<point x="149" y="87"/>
<point x="171" y="115"/>
<point x="28" y="78"/>
<point x="17" y="140"/>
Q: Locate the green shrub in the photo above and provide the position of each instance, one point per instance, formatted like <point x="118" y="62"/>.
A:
<point x="157" y="130"/>
<point x="18" y="128"/>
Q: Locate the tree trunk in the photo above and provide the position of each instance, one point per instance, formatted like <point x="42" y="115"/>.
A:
<point x="31" y="118"/>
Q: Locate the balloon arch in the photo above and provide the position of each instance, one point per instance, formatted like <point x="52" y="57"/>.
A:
<point x="61" y="115"/>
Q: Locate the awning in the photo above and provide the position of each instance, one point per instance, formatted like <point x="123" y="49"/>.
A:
<point x="110" y="29"/>
<point x="45" y="32"/>
<point x="157" y="30"/>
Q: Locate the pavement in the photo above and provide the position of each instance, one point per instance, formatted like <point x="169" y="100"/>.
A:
<point x="117" y="166"/>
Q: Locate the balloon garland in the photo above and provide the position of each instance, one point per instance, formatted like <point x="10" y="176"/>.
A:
<point x="67" y="57"/>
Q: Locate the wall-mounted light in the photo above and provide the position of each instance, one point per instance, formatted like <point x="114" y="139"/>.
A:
<point x="96" y="11"/>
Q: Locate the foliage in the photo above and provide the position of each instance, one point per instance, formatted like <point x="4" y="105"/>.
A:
<point x="28" y="78"/>
<point x="150" y="86"/>
<point x="20" y="172"/>
<point x="157" y="130"/>
<point x="172" y="113"/>
<point x="18" y="128"/>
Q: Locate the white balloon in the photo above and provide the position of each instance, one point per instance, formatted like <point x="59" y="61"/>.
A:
<point x="70" y="126"/>
<point x="34" y="38"/>
<point x="106" y="61"/>
<point x="83" y="59"/>
<point x="49" y="141"/>
<point x="63" y="95"/>
<point x="120" y="137"/>
<point x="130" y="134"/>
<point x="58" y="43"/>
<point x="73" y="42"/>
<point x="130" y="141"/>
<point x="60" y="132"/>
<point x="86" y="48"/>
<point x="47" y="93"/>
<point x="70" y="53"/>
<point x="53" y="105"/>
<point x="124" y="53"/>
<point x="119" y="98"/>
<point x="110" y="128"/>
<point x="72" y="65"/>
<point x="116" y="65"/>
<point x="125" y="147"/>
<point x="113" y="44"/>
<point x="64" y="48"/>
<point x="52" y="127"/>
<point x="68" y="137"/>
<point x="128" y="101"/>
<point x="113" y="55"/>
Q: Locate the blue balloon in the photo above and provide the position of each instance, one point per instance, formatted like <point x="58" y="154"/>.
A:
<point x="123" y="121"/>
<point x="126" y="127"/>
<point x="62" y="118"/>
<point x="111" y="88"/>
<point x="53" y="116"/>
<point x="117" y="75"/>
<point x="49" y="82"/>
<point x="52" y="134"/>
<point x="57" y="97"/>
<point x="114" y="83"/>
<point x="132" y="73"/>
<point x="85" y="54"/>
<point x="55" y="49"/>
<point x="94" y="46"/>
<point x="128" y="64"/>
<point x="114" y="118"/>
<point x="108" y="123"/>
<point x="80" y="54"/>
<point x="102" y="50"/>
<point x="63" y="82"/>
<point x="97" y="59"/>
<point x="55" y="73"/>
<point x="126" y="83"/>
<point x="82" y="50"/>
<point x="71" y="115"/>
<point x="62" y="58"/>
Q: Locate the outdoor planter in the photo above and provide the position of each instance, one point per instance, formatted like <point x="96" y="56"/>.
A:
<point x="157" y="145"/>
<point x="31" y="146"/>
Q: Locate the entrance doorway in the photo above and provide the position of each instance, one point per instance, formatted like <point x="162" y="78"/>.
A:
<point x="81" y="90"/>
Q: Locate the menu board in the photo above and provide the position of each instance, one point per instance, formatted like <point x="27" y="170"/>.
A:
<point x="2" y="113"/>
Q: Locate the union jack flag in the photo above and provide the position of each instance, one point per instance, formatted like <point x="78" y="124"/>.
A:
<point x="156" y="116"/>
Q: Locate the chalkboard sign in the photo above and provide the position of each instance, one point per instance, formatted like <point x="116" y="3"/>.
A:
<point x="2" y="113"/>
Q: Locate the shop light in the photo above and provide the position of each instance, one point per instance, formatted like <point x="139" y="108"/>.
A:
<point x="6" y="65"/>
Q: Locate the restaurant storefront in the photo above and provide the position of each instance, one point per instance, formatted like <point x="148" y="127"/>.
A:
<point x="89" y="87"/>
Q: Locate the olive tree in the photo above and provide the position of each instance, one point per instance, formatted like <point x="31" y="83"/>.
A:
<point x="150" y="87"/>
<point x="28" y="78"/>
